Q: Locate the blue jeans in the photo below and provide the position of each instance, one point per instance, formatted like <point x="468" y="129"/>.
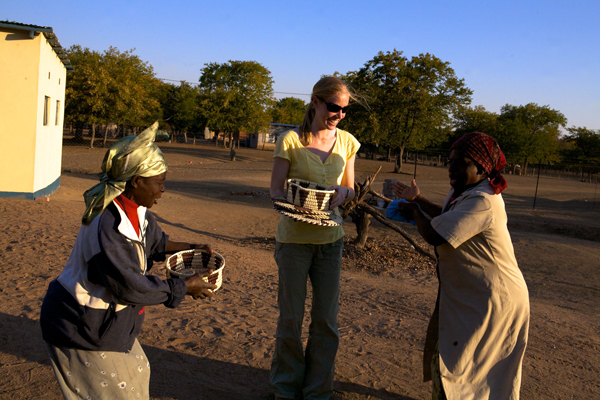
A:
<point x="310" y="372"/>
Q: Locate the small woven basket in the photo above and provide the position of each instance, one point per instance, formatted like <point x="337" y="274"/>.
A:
<point x="311" y="195"/>
<point x="186" y="263"/>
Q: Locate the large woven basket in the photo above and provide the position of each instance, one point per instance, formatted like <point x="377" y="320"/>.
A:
<point x="186" y="263"/>
<point x="311" y="195"/>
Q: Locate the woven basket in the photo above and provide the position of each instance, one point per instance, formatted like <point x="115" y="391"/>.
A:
<point x="311" y="195"/>
<point x="186" y="263"/>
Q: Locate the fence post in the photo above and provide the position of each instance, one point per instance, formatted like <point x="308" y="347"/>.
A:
<point x="416" y="158"/>
<point x="595" y="190"/>
<point x="537" y="184"/>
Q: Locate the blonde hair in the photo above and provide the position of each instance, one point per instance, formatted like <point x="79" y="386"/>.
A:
<point x="326" y="87"/>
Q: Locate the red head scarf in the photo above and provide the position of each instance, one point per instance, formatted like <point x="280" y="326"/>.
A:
<point x="484" y="150"/>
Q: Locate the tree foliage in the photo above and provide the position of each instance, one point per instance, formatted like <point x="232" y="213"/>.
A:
<point x="180" y="108"/>
<point x="530" y="133"/>
<point x="288" y="110"/>
<point x="234" y="96"/>
<point x="132" y="92"/>
<point x="411" y="101"/>
<point x="112" y="86"/>
<point x="583" y="145"/>
<point x="475" y="119"/>
<point x="87" y="87"/>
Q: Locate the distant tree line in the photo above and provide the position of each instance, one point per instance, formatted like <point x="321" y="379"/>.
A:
<point x="407" y="104"/>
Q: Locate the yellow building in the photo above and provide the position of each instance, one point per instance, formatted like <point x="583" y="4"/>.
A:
<point x="33" y="74"/>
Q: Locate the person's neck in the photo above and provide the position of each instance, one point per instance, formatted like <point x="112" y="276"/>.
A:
<point x="459" y="191"/>
<point x="129" y="196"/>
<point x="323" y="134"/>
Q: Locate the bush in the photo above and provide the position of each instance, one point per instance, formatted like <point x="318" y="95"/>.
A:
<point x="162" y="136"/>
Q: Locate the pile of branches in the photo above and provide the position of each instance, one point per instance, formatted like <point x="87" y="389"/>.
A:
<point x="359" y="210"/>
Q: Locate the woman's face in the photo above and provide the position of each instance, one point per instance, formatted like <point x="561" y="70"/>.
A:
<point x="463" y="172"/>
<point x="325" y="119"/>
<point x="146" y="191"/>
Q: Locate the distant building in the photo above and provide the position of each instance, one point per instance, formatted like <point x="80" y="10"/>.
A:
<point x="33" y="74"/>
<point x="267" y="140"/>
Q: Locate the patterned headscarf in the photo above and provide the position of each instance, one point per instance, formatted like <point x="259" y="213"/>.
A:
<point x="126" y="158"/>
<point x="484" y="150"/>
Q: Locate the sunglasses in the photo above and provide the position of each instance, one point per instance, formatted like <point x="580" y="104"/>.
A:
<point x="332" y="107"/>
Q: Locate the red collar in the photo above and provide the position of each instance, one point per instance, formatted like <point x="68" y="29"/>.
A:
<point x="130" y="209"/>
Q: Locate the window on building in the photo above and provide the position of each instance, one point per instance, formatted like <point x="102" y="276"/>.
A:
<point x="57" y="112"/>
<point x="46" y="109"/>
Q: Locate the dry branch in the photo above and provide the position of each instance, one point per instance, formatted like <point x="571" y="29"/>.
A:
<point x="379" y="217"/>
<point x="358" y="204"/>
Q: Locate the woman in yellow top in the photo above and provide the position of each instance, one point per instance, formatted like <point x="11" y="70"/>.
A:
<point x="319" y="152"/>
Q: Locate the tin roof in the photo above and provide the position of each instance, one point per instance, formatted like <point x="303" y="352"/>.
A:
<point x="48" y="34"/>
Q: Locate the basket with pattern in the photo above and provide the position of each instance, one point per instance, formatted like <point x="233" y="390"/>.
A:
<point x="186" y="263"/>
<point x="311" y="195"/>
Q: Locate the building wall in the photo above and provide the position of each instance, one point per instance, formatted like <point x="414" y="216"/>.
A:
<point x="48" y="151"/>
<point x="18" y="109"/>
<point x="30" y="153"/>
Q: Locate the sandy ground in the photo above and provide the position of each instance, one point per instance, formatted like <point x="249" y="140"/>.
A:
<point x="221" y="349"/>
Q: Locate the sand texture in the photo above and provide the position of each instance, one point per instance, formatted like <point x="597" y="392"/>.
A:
<point x="221" y="349"/>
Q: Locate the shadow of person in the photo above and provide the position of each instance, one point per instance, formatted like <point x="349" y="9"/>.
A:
<point x="25" y="371"/>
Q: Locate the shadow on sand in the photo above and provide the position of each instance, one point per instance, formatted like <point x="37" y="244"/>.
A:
<point x="174" y="374"/>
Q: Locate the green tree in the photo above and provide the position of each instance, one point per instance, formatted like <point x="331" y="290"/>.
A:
<point x="411" y="101"/>
<point x="584" y="145"/>
<point x="133" y="89"/>
<point x="475" y="119"/>
<point x="180" y="107"/>
<point x="288" y="110"/>
<point x="110" y="87"/>
<point x="235" y="96"/>
<point x="471" y="119"/>
<point x="86" y="90"/>
<point x="530" y="133"/>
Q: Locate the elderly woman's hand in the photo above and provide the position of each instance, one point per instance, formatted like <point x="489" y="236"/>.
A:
<point x="408" y="210"/>
<point x="408" y="193"/>
<point x="198" y="287"/>
<point x="205" y="247"/>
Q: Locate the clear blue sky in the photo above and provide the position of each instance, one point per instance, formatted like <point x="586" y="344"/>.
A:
<point x="515" y="52"/>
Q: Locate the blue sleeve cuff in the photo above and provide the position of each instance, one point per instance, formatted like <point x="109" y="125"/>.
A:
<point x="178" y="291"/>
<point x="391" y="212"/>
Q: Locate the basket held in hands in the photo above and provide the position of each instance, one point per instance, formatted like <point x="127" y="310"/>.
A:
<point x="309" y="195"/>
<point x="186" y="263"/>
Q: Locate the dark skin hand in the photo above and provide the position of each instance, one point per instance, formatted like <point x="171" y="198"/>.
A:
<point x="197" y="287"/>
<point x="413" y="211"/>
<point x="463" y="173"/>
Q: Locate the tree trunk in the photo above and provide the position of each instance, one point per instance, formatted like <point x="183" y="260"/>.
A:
<point x="388" y="158"/>
<point x="232" y="153"/>
<point x="93" y="135"/>
<point x="362" y="221"/>
<point x="105" y="135"/>
<point x="185" y="137"/>
<point x="79" y="131"/>
<point x="398" y="164"/>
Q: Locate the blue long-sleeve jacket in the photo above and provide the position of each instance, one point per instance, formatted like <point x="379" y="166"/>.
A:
<point x="98" y="301"/>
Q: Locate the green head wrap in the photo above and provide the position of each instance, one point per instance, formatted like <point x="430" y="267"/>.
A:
<point x="126" y="158"/>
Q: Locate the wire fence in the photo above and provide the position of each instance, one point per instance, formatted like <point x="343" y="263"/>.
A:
<point x="542" y="178"/>
<point x="104" y="135"/>
<point x="574" y="171"/>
